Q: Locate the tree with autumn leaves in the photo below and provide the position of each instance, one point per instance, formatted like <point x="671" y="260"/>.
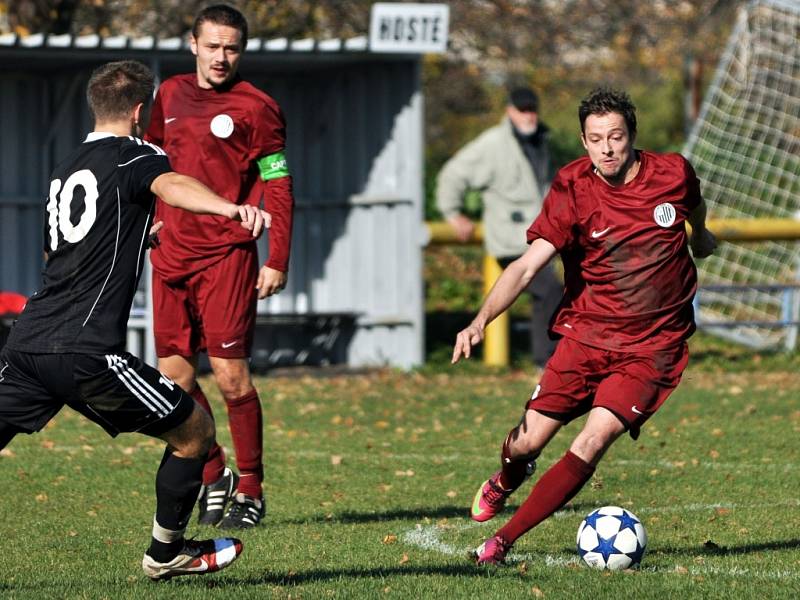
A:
<point x="662" y="52"/>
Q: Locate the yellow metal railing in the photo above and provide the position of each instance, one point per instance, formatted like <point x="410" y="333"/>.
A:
<point x="497" y="339"/>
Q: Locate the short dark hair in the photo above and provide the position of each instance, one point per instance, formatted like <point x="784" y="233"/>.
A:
<point x="604" y="100"/>
<point x="221" y="14"/>
<point x="524" y="98"/>
<point x="116" y="88"/>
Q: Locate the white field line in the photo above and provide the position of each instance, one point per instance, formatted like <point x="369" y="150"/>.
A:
<point x="428" y="537"/>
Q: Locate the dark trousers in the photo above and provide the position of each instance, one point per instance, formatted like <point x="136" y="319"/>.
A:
<point x="546" y="291"/>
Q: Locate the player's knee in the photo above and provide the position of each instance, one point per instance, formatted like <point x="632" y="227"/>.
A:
<point x="195" y="437"/>
<point x="234" y="387"/>
<point x="206" y="433"/>
<point x="590" y="447"/>
<point x="233" y="380"/>
<point x="519" y="445"/>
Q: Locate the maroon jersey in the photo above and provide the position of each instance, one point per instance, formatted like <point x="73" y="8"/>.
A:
<point x="219" y="136"/>
<point x="628" y="274"/>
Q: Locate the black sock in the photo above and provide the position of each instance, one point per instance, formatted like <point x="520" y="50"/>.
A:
<point x="162" y="552"/>
<point x="178" y="483"/>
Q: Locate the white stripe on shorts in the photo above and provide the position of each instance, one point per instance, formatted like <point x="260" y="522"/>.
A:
<point x="146" y="388"/>
<point x="150" y="397"/>
<point x="114" y="366"/>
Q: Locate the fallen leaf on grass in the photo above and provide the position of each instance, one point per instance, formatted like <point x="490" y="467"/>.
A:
<point x="41" y="497"/>
<point x="405" y="559"/>
<point x="48" y="444"/>
<point x="748" y="410"/>
<point x="681" y="570"/>
<point x="390" y="539"/>
<point x="451" y="494"/>
<point x="336" y="460"/>
<point x="536" y="591"/>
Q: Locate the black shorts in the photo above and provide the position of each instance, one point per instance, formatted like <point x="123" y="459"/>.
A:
<point x="117" y="391"/>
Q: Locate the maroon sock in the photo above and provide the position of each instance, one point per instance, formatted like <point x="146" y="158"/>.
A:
<point x="514" y="470"/>
<point x="244" y="416"/>
<point x="553" y="490"/>
<point x="215" y="463"/>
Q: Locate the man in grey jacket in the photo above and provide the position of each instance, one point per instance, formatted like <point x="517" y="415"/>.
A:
<point x="510" y="165"/>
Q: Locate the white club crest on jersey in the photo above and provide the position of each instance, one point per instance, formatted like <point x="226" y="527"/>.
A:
<point x="222" y="126"/>
<point x="664" y="214"/>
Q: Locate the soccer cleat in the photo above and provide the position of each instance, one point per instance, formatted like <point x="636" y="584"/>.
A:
<point x="244" y="512"/>
<point x="489" y="500"/>
<point x="214" y="497"/>
<point x="197" y="558"/>
<point x="492" y="552"/>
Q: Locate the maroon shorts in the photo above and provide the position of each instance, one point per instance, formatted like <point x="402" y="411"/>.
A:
<point x="213" y="310"/>
<point x="632" y="385"/>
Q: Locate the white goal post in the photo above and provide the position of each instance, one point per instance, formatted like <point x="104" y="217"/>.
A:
<point x="745" y="147"/>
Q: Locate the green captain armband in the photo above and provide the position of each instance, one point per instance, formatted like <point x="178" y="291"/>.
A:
<point x="273" y="166"/>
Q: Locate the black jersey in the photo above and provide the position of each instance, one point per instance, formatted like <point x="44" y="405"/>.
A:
<point x="97" y="220"/>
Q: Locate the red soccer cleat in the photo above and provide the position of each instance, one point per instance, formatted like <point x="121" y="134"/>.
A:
<point x="492" y="552"/>
<point x="489" y="500"/>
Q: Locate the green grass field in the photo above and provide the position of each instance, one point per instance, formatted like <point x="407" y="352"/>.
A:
<point x="370" y="477"/>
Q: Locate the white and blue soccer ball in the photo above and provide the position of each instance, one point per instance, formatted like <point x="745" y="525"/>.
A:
<point x="612" y="538"/>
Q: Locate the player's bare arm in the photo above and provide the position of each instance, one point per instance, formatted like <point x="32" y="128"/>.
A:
<point x="702" y="241"/>
<point x="189" y="194"/>
<point x="270" y="281"/>
<point x="508" y="287"/>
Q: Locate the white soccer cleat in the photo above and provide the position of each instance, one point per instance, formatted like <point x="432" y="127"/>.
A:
<point x="197" y="558"/>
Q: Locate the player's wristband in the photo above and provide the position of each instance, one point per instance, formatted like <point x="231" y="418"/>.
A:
<point x="273" y="166"/>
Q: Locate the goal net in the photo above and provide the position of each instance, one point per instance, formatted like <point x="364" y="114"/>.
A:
<point x="745" y="147"/>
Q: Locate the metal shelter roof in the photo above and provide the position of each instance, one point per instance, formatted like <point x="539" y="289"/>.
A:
<point x="175" y="44"/>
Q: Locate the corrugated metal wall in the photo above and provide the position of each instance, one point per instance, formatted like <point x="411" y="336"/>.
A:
<point x="354" y="147"/>
<point x="42" y="116"/>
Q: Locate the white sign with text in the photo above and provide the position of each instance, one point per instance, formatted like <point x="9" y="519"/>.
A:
<point x="412" y="28"/>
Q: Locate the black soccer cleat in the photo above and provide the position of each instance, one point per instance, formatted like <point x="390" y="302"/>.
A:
<point x="214" y="497"/>
<point x="244" y="512"/>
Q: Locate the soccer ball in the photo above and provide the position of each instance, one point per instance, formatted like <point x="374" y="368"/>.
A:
<point x="612" y="538"/>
